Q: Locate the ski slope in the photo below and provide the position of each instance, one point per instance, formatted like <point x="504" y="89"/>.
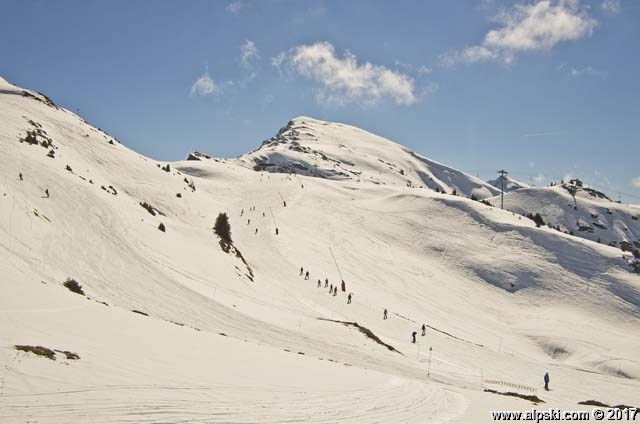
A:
<point x="218" y="340"/>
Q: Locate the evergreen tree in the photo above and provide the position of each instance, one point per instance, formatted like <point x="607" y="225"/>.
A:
<point x="222" y="227"/>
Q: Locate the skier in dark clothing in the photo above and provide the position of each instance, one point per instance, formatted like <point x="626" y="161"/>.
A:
<point x="385" y="314"/>
<point x="306" y="275"/>
<point x="319" y="283"/>
<point x="424" y="329"/>
<point x="256" y="231"/>
<point x="242" y="212"/>
<point x="20" y="175"/>
<point x="326" y="283"/>
<point x="546" y="381"/>
<point x="349" y="299"/>
<point x="414" y="336"/>
<point x="46" y="192"/>
<point x="301" y="270"/>
<point x="344" y="286"/>
<point x="331" y="289"/>
<point x="335" y="291"/>
<point x="248" y="222"/>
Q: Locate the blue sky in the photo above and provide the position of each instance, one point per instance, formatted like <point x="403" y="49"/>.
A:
<point x="544" y="89"/>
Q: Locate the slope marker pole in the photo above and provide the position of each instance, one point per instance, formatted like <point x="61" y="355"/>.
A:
<point x="274" y="219"/>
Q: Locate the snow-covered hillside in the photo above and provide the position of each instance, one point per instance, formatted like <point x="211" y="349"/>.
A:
<point x="580" y="211"/>
<point x="307" y="146"/>
<point x="507" y="183"/>
<point x="171" y="328"/>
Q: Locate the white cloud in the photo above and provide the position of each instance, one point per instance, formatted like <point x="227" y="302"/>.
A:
<point x="588" y="71"/>
<point x="278" y="60"/>
<point x="636" y="182"/>
<point x="611" y="7"/>
<point x="249" y="51"/>
<point x="235" y="7"/>
<point x="540" y="178"/>
<point x="344" y="80"/>
<point x="423" y="70"/>
<point x="527" y="27"/>
<point x="205" y="86"/>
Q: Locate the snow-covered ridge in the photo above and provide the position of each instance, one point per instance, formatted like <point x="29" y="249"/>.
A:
<point x="581" y="211"/>
<point x="173" y="328"/>
<point x="307" y="146"/>
<point x="507" y="184"/>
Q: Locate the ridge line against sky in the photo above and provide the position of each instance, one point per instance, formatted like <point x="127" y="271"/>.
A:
<point x="538" y="87"/>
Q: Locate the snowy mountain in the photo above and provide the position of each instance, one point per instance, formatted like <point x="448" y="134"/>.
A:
<point x="509" y="184"/>
<point x="307" y="146"/>
<point x="109" y="316"/>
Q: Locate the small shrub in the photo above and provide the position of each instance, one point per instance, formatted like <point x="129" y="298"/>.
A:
<point x="69" y="168"/>
<point x="73" y="286"/>
<point x="161" y="227"/>
<point x="148" y="208"/>
<point x="69" y="355"/>
<point x="38" y="350"/>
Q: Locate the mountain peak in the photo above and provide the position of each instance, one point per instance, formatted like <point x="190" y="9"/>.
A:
<point x="308" y="146"/>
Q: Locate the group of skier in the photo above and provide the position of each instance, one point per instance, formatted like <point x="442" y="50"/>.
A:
<point x="253" y="208"/>
<point x="332" y="289"/>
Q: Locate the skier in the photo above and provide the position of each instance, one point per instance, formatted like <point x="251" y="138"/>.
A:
<point x="285" y="203"/>
<point x="263" y="215"/>
<point x="20" y="175"/>
<point x="277" y="231"/>
<point x="349" y="299"/>
<point x="319" y="283"/>
<point x="385" y="314"/>
<point x="248" y="222"/>
<point x="546" y="381"/>
<point x="256" y="231"/>
<point x="335" y="291"/>
<point x="326" y="283"/>
<point x="306" y="275"/>
<point x="301" y="270"/>
<point x="331" y="289"/>
<point x="344" y="286"/>
<point x="242" y="212"/>
<point x="46" y="192"/>
<point x="424" y="330"/>
<point x="414" y="336"/>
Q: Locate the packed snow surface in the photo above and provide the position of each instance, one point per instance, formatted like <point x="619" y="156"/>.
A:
<point x="171" y="328"/>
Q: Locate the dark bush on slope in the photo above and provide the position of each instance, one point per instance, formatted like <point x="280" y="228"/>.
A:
<point x="38" y="350"/>
<point x="73" y="286"/>
<point x="223" y="229"/>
